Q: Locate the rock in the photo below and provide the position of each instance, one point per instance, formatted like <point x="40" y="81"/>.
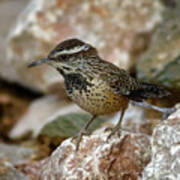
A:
<point x="32" y="169"/>
<point x="11" y="156"/>
<point x="15" y="154"/>
<point x="8" y="172"/>
<point x="69" y="125"/>
<point x="40" y="112"/>
<point x="119" y="29"/>
<point x="9" y="10"/>
<point x="13" y="104"/>
<point x="125" y="156"/>
<point x="65" y="126"/>
<point x="121" y="157"/>
<point x="161" y="63"/>
<point x="165" y="144"/>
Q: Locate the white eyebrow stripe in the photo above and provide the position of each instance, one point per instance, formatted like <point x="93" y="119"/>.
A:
<point x="70" y="51"/>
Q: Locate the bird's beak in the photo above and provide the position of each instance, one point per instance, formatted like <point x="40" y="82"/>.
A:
<point x="39" y="62"/>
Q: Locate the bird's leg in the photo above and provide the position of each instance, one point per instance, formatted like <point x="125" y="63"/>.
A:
<point x="118" y="125"/>
<point x="166" y="111"/>
<point x="84" y="131"/>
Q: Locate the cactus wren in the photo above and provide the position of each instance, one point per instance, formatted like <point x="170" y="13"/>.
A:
<point x="97" y="86"/>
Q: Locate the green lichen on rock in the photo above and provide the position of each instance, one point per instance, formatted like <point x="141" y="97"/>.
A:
<point x="161" y="63"/>
<point x="170" y="75"/>
<point x="69" y="125"/>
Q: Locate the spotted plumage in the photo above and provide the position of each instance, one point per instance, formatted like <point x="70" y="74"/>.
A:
<point x="97" y="86"/>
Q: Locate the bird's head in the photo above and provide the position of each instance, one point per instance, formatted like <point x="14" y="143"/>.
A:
<point x="68" y="55"/>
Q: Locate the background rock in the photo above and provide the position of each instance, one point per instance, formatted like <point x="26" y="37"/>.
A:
<point x="9" y="11"/>
<point x="14" y="102"/>
<point x="15" y="154"/>
<point x="11" y="106"/>
<point x="8" y="172"/>
<point x="119" y="29"/>
<point x="161" y="63"/>
<point x="40" y="112"/>
<point x="69" y="125"/>
<point x="165" y="143"/>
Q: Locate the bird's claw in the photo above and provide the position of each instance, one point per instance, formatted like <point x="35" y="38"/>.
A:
<point x="79" y="137"/>
<point x="168" y="112"/>
<point x="113" y="131"/>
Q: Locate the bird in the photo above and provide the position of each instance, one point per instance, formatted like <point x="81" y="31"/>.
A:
<point x="96" y="85"/>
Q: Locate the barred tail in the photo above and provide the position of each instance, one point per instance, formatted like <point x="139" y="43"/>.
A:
<point x="148" y="90"/>
<point x="153" y="91"/>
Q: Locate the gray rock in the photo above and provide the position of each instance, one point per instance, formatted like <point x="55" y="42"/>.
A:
<point x="161" y="63"/>
<point x="9" y="11"/>
<point x="8" y="172"/>
<point x="15" y="154"/>
<point x="10" y="156"/>
<point x="165" y="144"/>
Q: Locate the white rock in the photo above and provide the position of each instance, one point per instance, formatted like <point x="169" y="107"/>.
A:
<point x="165" y="162"/>
<point x="40" y="112"/>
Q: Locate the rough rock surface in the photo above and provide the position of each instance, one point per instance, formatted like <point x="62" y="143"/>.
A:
<point x="15" y="154"/>
<point x="161" y="63"/>
<point x="9" y="11"/>
<point x="11" y="156"/>
<point x="128" y="156"/>
<point x="165" y="144"/>
<point x="120" y="158"/>
<point x="8" y="172"/>
<point x="117" y="28"/>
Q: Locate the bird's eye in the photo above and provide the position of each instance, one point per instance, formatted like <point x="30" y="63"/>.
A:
<point x="86" y="47"/>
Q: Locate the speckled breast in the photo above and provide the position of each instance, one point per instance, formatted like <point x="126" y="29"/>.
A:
<point x="96" y="97"/>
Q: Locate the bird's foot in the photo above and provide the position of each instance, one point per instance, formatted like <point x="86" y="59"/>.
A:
<point x="113" y="131"/>
<point x="168" y="111"/>
<point x="82" y="133"/>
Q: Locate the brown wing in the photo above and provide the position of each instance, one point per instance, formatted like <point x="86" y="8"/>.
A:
<point x="118" y="79"/>
<point x="125" y="85"/>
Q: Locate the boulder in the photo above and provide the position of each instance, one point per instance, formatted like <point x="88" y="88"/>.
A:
<point x="161" y="63"/>
<point x="165" y="145"/>
<point x="118" y="158"/>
